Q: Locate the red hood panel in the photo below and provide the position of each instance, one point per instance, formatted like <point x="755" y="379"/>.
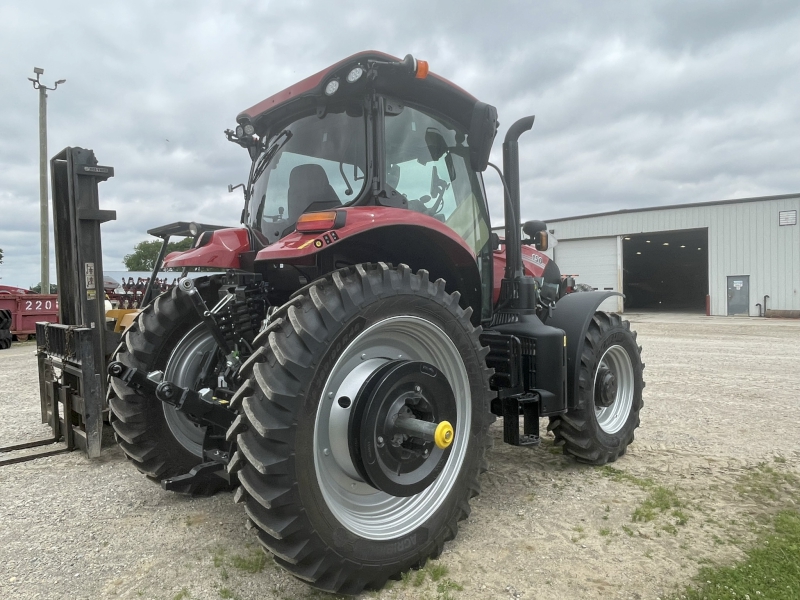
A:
<point x="222" y="251"/>
<point x="533" y="264"/>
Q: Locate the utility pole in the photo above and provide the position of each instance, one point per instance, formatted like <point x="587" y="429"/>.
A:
<point x="43" y="188"/>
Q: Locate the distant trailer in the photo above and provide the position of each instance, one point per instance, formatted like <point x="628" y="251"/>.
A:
<point x="27" y="309"/>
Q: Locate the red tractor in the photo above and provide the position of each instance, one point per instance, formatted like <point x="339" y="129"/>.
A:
<point x="344" y="374"/>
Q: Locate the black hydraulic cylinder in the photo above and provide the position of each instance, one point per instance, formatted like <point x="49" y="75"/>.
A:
<point x="186" y="285"/>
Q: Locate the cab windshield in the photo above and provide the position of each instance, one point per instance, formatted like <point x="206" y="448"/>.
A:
<point x="314" y="163"/>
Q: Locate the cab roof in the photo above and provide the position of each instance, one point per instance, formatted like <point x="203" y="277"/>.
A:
<point x="434" y="92"/>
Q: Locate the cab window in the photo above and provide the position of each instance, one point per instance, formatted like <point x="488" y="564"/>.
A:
<point x="427" y="161"/>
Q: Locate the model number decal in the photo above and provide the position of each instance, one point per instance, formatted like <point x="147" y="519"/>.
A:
<point x="535" y="258"/>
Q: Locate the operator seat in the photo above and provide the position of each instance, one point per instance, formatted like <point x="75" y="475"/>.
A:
<point x="309" y="188"/>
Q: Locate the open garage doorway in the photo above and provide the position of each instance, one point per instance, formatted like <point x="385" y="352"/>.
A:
<point x="666" y="270"/>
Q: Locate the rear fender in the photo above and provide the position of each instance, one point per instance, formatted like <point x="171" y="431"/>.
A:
<point x="573" y="313"/>
<point x="390" y="235"/>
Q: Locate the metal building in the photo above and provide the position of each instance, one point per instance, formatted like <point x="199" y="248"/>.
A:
<point x="730" y="257"/>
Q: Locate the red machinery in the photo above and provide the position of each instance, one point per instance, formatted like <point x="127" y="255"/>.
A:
<point x="27" y="308"/>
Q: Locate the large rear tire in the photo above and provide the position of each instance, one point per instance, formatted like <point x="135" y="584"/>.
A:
<point x="610" y="386"/>
<point x="166" y="336"/>
<point x="319" y="517"/>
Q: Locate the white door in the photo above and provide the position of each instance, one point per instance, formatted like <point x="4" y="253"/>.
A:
<point x="596" y="262"/>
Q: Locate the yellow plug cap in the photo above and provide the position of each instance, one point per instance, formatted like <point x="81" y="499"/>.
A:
<point x="443" y="436"/>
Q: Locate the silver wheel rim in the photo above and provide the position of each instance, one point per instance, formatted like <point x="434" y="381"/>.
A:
<point x="182" y="369"/>
<point x="612" y="418"/>
<point x="359" y="507"/>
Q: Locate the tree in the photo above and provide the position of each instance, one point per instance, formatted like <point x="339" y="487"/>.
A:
<point x="38" y="288"/>
<point x="145" y="253"/>
<point x="1" y="256"/>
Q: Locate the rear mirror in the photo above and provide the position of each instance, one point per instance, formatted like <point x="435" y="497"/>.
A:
<point x="482" y="130"/>
<point x="531" y="228"/>
<point x="537" y="232"/>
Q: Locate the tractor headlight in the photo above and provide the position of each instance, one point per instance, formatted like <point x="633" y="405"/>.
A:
<point x="355" y="75"/>
<point x="239" y="131"/>
<point x="332" y="86"/>
<point x="249" y="129"/>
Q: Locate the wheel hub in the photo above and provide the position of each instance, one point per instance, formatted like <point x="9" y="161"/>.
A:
<point x="400" y="427"/>
<point x="605" y="387"/>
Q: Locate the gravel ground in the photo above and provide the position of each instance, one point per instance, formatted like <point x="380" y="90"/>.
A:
<point x="721" y="397"/>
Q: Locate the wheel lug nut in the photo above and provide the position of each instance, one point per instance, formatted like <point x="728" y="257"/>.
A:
<point x="380" y="441"/>
<point x="326" y="452"/>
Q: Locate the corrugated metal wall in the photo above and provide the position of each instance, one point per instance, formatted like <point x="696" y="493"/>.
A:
<point x="744" y="238"/>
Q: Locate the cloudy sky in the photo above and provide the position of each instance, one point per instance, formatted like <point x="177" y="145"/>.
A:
<point x="636" y="103"/>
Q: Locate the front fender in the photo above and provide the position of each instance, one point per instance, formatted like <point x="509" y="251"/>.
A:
<point x="573" y="313"/>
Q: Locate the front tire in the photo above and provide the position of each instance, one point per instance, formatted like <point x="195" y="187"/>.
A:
<point x="600" y="428"/>
<point x="312" y="506"/>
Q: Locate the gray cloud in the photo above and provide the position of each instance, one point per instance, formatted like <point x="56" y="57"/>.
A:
<point x="637" y="104"/>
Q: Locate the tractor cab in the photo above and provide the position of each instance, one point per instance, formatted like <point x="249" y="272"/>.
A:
<point x="377" y="148"/>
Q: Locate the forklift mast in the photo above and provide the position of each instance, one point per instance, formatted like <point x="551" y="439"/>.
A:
<point x="72" y="354"/>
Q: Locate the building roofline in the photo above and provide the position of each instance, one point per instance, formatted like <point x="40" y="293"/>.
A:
<point x="626" y="211"/>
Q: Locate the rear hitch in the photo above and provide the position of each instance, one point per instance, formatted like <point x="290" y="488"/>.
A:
<point x="198" y="405"/>
<point x="201" y="407"/>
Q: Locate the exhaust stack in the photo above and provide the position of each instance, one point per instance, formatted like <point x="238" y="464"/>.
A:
<point x="512" y="284"/>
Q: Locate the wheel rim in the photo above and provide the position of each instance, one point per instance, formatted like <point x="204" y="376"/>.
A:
<point x="183" y="369"/>
<point x="365" y="511"/>
<point x="617" y="362"/>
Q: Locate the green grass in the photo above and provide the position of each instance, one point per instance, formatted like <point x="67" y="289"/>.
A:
<point x="184" y="593"/>
<point x="445" y="586"/>
<point x="437" y="571"/>
<point x="628" y="531"/>
<point x="226" y="594"/>
<point x="767" y="483"/>
<point x="219" y="557"/>
<point x="254" y="562"/>
<point x="659" y="500"/>
<point x="605" y="531"/>
<point x="623" y="477"/>
<point x="438" y="574"/>
<point x="771" y="570"/>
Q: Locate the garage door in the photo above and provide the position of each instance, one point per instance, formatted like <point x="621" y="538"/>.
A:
<point x="596" y="262"/>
